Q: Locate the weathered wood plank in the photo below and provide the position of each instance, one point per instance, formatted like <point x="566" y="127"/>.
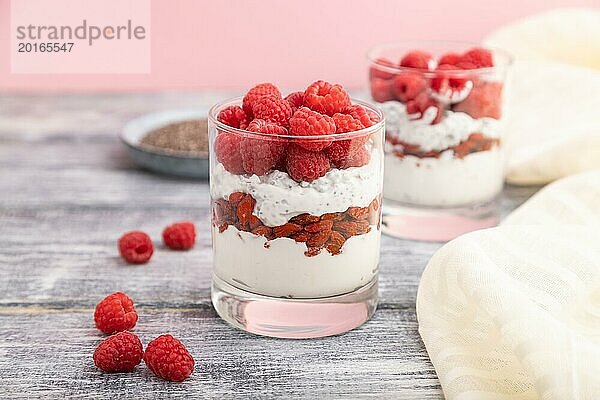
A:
<point x="49" y="355"/>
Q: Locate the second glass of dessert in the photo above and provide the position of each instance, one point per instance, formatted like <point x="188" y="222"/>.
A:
<point x="444" y="164"/>
<point x="296" y="186"/>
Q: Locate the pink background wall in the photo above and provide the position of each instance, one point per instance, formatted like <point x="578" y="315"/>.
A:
<point x="231" y="44"/>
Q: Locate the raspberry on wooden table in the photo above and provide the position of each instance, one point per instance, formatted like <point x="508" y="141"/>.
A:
<point x="136" y="247"/>
<point x="180" y="235"/>
<point x="115" y="313"/>
<point x="168" y="358"/>
<point x="119" y="353"/>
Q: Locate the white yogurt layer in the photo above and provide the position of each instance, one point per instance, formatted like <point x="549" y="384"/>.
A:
<point x="447" y="181"/>
<point x="279" y="198"/>
<point x="282" y="270"/>
<point x="454" y="128"/>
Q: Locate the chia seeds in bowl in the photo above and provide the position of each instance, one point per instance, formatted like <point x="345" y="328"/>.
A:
<point x="170" y="142"/>
<point x="186" y="137"/>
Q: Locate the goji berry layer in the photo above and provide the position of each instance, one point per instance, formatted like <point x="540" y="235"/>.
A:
<point x="328" y="231"/>
<point x="475" y="142"/>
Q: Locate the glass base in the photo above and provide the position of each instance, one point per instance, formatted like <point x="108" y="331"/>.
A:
<point x="436" y="224"/>
<point x="293" y="318"/>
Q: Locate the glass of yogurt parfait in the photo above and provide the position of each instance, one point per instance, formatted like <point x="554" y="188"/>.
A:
<point x="444" y="161"/>
<point x="296" y="187"/>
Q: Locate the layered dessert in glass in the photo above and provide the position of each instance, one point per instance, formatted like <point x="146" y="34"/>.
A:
<point x="443" y="104"/>
<point x="296" y="185"/>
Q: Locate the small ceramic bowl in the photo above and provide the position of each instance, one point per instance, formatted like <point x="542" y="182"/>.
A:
<point x="164" y="162"/>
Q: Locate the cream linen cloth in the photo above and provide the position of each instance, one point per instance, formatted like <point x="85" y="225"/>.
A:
<point x="553" y="110"/>
<point x="513" y="312"/>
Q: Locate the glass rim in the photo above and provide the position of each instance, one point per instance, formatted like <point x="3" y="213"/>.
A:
<point x="216" y="108"/>
<point x="372" y="57"/>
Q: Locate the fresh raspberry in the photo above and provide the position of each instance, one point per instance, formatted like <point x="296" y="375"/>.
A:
<point x="233" y="116"/>
<point x="306" y="122"/>
<point x="408" y="85"/>
<point x="449" y="58"/>
<point x="484" y="100"/>
<point x="340" y="150"/>
<point x="262" y="126"/>
<point x="358" y="158"/>
<point x="168" y="358"/>
<point x="115" y="313"/>
<point x="466" y="65"/>
<point x="346" y="123"/>
<point x="273" y="109"/>
<point x="227" y="150"/>
<point x="135" y="247"/>
<point x="376" y="70"/>
<point x="481" y="58"/>
<point x="180" y="235"/>
<point x="366" y="117"/>
<point x="119" y="353"/>
<point x="305" y="165"/>
<point x="382" y="90"/>
<point x="446" y="86"/>
<point x="296" y="100"/>
<point x="325" y="98"/>
<point x="260" y="155"/>
<point x="422" y="103"/>
<point x="256" y="93"/>
<point x="417" y="59"/>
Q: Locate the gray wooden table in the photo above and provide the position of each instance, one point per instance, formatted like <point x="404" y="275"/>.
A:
<point x="67" y="192"/>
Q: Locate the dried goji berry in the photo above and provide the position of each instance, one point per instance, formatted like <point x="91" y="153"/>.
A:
<point x="305" y="219"/>
<point x="325" y="225"/>
<point x="286" y="230"/>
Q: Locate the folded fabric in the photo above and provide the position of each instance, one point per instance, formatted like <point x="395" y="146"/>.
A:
<point x="513" y="312"/>
<point x="574" y="200"/>
<point x="553" y="112"/>
<point x="562" y="35"/>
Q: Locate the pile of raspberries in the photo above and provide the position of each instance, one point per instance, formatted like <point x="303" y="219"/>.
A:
<point x="165" y="356"/>
<point x="322" y="109"/>
<point x="411" y="82"/>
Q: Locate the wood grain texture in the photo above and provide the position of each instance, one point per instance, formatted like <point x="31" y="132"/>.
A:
<point x="67" y="191"/>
